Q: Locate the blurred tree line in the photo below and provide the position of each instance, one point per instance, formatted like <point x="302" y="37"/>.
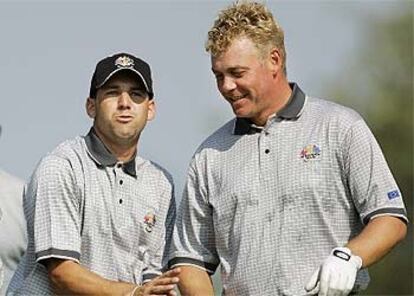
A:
<point x="378" y="82"/>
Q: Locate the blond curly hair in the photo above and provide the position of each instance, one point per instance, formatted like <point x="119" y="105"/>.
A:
<point x="249" y="19"/>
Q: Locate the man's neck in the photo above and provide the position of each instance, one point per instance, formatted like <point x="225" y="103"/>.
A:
<point x="280" y="96"/>
<point x="123" y="152"/>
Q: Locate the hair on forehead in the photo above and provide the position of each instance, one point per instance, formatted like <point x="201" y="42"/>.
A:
<point x="246" y="19"/>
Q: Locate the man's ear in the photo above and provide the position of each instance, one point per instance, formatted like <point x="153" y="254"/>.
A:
<point x="91" y="107"/>
<point x="275" y="60"/>
<point x="151" y="110"/>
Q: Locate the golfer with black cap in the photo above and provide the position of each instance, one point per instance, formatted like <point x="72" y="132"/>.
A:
<point x="99" y="216"/>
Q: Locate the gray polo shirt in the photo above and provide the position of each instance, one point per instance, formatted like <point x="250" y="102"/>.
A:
<point x="13" y="240"/>
<point x="270" y="203"/>
<point x="82" y="205"/>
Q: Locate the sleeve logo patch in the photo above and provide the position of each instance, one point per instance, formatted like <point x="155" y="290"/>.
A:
<point x="393" y="194"/>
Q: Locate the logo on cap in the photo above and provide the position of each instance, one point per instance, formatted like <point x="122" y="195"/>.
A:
<point x="310" y="152"/>
<point x="149" y="221"/>
<point x="124" y="62"/>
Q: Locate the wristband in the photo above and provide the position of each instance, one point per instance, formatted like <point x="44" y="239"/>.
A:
<point x="346" y="255"/>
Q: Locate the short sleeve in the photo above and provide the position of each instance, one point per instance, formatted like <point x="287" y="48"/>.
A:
<point x="371" y="183"/>
<point x="56" y="201"/>
<point x="194" y="239"/>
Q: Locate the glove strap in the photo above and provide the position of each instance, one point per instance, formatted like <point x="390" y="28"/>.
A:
<point x="346" y="254"/>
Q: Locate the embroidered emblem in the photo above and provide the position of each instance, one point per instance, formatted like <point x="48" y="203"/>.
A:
<point x="149" y="221"/>
<point x="124" y="62"/>
<point x="310" y="152"/>
<point x="393" y="194"/>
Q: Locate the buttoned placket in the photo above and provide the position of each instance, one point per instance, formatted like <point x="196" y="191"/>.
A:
<point x="265" y="148"/>
<point x="119" y="191"/>
<point x="263" y="204"/>
<point x="268" y="191"/>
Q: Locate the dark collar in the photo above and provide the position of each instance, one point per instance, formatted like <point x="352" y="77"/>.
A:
<point x="292" y="110"/>
<point x="103" y="157"/>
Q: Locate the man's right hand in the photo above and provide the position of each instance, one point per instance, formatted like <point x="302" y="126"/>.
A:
<point x="70" y="278"/>
<point x="161" y="285"/>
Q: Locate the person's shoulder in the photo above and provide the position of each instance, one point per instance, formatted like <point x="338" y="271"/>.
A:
<point x="10" y="180"/>
<point x="11" y="190"/>
<point x="63" y="155"/>
<point x="67" y="148"/>
<point x="69" y="145"/>
<point x="153" y="169"/>
<point x="220" y="137"/>
<point x="333" y="112"/>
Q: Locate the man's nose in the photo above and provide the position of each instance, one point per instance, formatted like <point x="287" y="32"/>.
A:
<point x="228" y="84"/>
<point x="124" y="100"/>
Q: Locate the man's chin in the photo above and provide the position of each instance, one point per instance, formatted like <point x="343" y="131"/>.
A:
<point x="127" y="136"/>
<point x="241" y="114"/>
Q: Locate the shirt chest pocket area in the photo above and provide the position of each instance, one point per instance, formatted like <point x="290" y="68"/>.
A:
<point x="305" y="176"/>
<point x="150" y="228"/>
<point x="230" y="212"/>
<point x="148" y="239"/>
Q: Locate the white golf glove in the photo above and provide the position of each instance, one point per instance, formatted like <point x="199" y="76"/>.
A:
<point x="336" y="276"/>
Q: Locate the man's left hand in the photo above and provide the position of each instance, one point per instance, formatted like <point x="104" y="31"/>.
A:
<point x="161" y="285"/>
<point x="336" y="276"/>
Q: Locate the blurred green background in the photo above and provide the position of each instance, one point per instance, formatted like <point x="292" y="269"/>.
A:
<point x="379" y="84"/>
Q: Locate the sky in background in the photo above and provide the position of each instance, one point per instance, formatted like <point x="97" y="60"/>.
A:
<point x="48" y="51"/>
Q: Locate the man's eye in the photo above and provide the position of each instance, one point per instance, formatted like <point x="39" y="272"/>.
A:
<point x="238" y="74"/>
<point x="138" y="94"/>
<point x="219" y="77"/>
<point x="111" y="93"/>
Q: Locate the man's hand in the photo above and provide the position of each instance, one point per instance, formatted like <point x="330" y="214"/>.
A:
<point x="336" y="276"/>
<point x="161" y="285"/>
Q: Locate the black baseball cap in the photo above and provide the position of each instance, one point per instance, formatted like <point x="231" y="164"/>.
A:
<point x="107" y="67"/>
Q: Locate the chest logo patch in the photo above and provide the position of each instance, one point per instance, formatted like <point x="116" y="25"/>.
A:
<point x="310" y="152"/>
<point x="149" y="221"/>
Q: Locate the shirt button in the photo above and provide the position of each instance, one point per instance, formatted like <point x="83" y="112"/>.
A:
<point x="119" y="165"/>
<point x="120" y="200"/>
<point x="267" y="151"/>
<point x="121" y="182"/>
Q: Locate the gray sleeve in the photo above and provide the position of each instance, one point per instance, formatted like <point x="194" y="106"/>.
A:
<point x="194" y="239"/>
<point x="56" y="210"/>
<point x="371" y="183"/>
